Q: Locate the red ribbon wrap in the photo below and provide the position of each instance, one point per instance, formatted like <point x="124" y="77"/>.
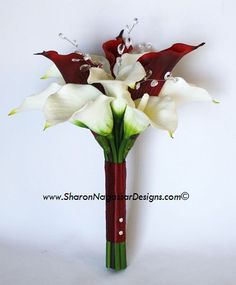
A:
<point x="115" y="174"/>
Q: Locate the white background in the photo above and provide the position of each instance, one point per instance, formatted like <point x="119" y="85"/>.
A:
<point x="63" y="243"/>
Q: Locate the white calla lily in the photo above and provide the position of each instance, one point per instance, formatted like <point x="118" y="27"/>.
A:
<point x="131" y="74"/>
<point x="128" y="71"/>
<point x="126" y="60"/>
<point x="113" y="88"/>
<point x="160" y="112"/>
<point x="118" y="106"/>
<point x="97" y="116"/>
<point x="128" y="75"/>
<point x="135" y="122"/>
<point x="182" y="92"/>
<point x="60" y="106"/>
<point x="37" y="101"/>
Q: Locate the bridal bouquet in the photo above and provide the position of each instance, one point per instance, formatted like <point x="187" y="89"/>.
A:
<point x="116" y="97"/>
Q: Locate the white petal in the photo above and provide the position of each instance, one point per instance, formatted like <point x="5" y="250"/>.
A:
<point x="135" y="122"/>
<point x="99" y="59"/>
<point x="132" y="74"/>
<point x="161" y="112"/>
<point x="126" y="59"/>
<point x="96" y="115"/>
<point x="118" y="106"/>
<point x="52" y="72"/>
<point x="60" y="106"/>
<point x="182" y="92"/>
<point x="97" y="74"/>
<point x="37" y="101"/>
<point x="116" y="89"/>
<point x="142" y="103"/>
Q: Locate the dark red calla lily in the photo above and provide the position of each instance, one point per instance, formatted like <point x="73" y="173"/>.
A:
<point x="111" y="49"/>
<point x="159" y="63"/>
<point x="73" y="67"/>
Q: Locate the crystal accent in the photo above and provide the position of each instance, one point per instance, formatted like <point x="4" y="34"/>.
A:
<point x="121" y="48"/>
<point x="154" y="83"/>
<point x="144" y="47"/>
<point x="137" y="86"/>
<point x="167" y="75"/>
<point x="76" y="59"/>
<point x="84" y="67"/>
<point x="128" y="42"/>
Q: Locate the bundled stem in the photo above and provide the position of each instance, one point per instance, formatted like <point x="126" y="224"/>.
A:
<point x="116" y="148"/>
<point x="115" y="174"/>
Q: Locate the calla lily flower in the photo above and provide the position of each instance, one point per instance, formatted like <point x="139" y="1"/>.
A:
<point x="60" y="103"/>
<point x="125" y="83"/>
<point x="37" y="101"/>
<point x="83" y="104"/>
<point x="126" y="73"/>
<point x="161" y="111"/>
<point x="74" y="67"/>
<point x="157" y="65"/>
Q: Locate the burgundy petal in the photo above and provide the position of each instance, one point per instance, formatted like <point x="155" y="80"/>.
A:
<point x="159" y="63"/>
<point x="111" y="49"/>
<point x="73" y="67"/>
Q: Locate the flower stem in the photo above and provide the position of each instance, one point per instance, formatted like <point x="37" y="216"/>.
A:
<point x="113" y="149"/>
<point x="116" y="255"/>
<point x="116" y="148"/>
